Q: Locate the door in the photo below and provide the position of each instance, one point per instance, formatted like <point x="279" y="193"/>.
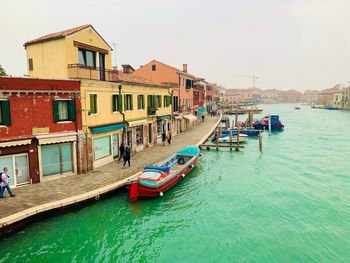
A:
<point x="8" y="162"/>
<point x="150" y="132"/>
<point x="102" y="66"/>
<point x="22" y="169"/>
<point x="129" y="139"/>
<point x="115" y="145"/>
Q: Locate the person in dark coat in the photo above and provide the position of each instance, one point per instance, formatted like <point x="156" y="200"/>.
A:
<point x="203" y="117"/>
<point x="121" y="151"/>
<point x="163" y="138"/>
<point x="126" y="156"/>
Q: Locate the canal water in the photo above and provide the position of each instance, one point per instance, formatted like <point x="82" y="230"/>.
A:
<point x="290" y="203"/>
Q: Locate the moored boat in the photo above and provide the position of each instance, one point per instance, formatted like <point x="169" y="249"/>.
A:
<point x="155" y="180"/>
<point x="264" y="123"/>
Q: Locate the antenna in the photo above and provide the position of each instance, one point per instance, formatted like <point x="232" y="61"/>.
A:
<point x="115" y="54"/>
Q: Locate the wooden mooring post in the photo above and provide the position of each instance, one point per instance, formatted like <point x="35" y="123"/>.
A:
<point x="217" y="140"/>
<point x="230" y="139"/>
<point x="237" y="149"/>
<point x="260" y="141"/>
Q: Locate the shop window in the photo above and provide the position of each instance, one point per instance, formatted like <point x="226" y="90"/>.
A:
<point x="139" y="135"/>
<point x="169" y="126"/>
<point x="117" y="103"/>
<point x="93" y="103"/>
<point x="102" y="147"/>
<point x="128" y="102"/>
<point x="87" y="58"/>
<point x="56" y="158"/>
<point x="5" y="116"/>
<point x="64" y="110"/>
<point x="141" y="102"/>
<point x="159" y="128"/>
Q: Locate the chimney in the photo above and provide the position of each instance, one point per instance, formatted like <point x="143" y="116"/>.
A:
<point x="184" y="68"/>
<point x="127" y="69"/>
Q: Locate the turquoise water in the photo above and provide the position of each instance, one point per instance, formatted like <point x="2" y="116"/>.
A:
<point x="289" y="204"/>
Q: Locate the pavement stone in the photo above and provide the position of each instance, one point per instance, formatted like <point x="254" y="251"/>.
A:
<point x="29" y="196"/>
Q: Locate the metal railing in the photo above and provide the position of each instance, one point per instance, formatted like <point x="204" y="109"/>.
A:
<point x="79" y="71"/>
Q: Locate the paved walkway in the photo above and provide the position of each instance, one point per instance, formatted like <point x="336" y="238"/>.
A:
<point x="38" y="194"/>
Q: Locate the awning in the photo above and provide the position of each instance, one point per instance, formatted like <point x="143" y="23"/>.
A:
<point x="137" y="123"/>
<point x="190" y="117"/>
<point x="202" y="109"/>
<point x="210" y="106"/>
<point x="62" y="139"/>
<point x="199" y="112"/>
<point x="164" y="117"/>
<point x="15" y="143"/>
<point x="178" y="117"/>
<point x="107" y="128"/>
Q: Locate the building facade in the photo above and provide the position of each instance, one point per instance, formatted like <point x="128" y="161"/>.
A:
<point x="40" y="128"/>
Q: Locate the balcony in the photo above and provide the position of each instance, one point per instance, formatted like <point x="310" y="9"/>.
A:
<point x="151" y="111"/>
<point x="78" y="71"/>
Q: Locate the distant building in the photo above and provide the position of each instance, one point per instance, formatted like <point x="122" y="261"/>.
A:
<point x="346" y="98"/>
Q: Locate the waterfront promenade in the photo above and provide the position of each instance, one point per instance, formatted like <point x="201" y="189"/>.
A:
<point x="33" y="199"/>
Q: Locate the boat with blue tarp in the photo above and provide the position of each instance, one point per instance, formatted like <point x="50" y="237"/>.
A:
<point x="264" y="123"/>
<point x="155" y="180"/>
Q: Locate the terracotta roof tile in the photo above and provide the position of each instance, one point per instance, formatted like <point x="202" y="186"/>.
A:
<point x="131" y="78"/>
<point x="57" y="35"/>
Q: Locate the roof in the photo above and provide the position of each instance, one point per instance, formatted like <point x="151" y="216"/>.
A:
<point x="63" y="34"/>
<point x="131" y="78"/>
<point x="168" y="66"/>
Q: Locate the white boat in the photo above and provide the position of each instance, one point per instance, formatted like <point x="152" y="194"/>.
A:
<point x="242" y="138"/>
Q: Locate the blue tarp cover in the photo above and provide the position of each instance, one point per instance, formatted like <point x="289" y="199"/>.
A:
<point x="191" y="150"/>
<point x="202" y="109"/>
<point x="152" y="167"/>
<point x="199" y="112"/>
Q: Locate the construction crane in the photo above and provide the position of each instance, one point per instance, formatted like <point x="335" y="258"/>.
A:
<point x="254" y="77"/>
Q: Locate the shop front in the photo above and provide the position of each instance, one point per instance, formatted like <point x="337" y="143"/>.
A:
<point x="105" y="143"/>
<point x="20" y="157"/>
<point x="163" y="125"/>
<point x="137" y="134"/>
<point x="57" y="155"/>
<point x="189" y="121"/>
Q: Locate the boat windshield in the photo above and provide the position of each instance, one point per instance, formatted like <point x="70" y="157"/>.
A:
<point x="154" y="175"/>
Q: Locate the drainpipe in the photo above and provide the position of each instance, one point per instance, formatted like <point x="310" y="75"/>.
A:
<point x="121" y="111"/>
<point x="77" y="131"/>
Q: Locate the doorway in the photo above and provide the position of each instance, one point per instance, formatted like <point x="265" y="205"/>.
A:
<point x="102" y="66"/>
<point x="18" y="168"/>
<point x="115" y="145"/>
<point x="150" y="132"/>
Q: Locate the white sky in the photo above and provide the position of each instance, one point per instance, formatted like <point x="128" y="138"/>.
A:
<point x="300" y="44"/>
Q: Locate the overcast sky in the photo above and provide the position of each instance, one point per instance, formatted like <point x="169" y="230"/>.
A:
<point x="289" y="44"/>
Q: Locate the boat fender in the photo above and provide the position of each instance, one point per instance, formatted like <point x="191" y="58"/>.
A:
<point x="190" y="166"/>
<point x="160" y="193"/>
<point x="181" y="161"/>
<point x="183" y="175"/>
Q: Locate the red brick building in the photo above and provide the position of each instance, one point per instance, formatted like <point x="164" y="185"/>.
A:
<point x="40" y="125"/>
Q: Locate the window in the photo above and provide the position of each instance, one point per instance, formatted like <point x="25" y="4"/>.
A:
<point x="159" y="101"/>
<point x="159" y="128"/>
<point x="117" y="103"/>
<point x="128" y="102"/>
<point x="169" y="126"/>
<point x="141" y="102"/>
<point x="153" y="67"/>
<point x="30" y="64"/>
<point x="93" y="103"/>
<point x="165" y="101"/>
<point x="63" y="113"/>
<point x="188" y="83"/>
<point x="139" y="135"/>
<point x="87" y="58"/>
<point x="176" y="103"/>
<point x="150" y="101"/>
<point x="56" y="158"/>
<point x="5" y="117"/>
<point x="179" y="81"/>
<point x="102" y="147"/>
<point x="64" y="110"/>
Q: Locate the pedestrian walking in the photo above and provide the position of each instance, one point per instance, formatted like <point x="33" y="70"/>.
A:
<point x="121" y="151"/>
<point x="203" y="117"/>
<point x="169" y="138"/>
<point x="5" y="183"/>
<point x="163" y="138"/>
<point x="126" y="156"/>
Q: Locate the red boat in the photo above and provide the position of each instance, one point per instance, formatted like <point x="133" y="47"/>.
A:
<point x="155" y="180"/>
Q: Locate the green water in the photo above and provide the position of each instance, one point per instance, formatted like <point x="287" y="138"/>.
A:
<point x="289" y="204"/>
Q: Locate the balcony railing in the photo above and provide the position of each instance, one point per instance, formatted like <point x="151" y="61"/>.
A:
<point x="151" y="111"/>
<point x="78" y="71"/>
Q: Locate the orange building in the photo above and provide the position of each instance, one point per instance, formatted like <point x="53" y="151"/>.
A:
<point x="182" y="82"/>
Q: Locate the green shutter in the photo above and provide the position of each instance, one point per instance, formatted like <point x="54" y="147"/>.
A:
<point x="6" y="112"/>
<point x="125" y="103"/>
<point x="143" y="101"/>
<point x="114" y="103"/>
<point x="72" y="111"/>
<point x="93" y="103"/>
<point x="160" y="101"/>
<point x="171" y="100"/>
<point x="120" y="102"/>
<point x="55" y="110"/>
<point x="131" y="103"/>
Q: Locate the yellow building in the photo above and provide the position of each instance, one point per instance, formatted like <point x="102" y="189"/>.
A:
<point x="77" y="53"/>
<point x="114" y="103"/>
<point x="147" y="113"/>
